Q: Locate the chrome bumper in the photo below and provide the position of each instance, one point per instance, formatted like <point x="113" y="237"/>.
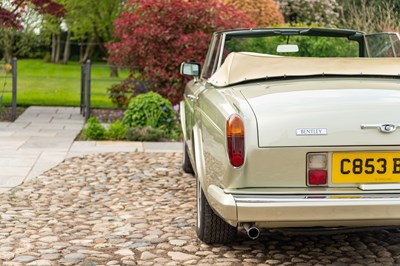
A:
<point x="273" y="211"/>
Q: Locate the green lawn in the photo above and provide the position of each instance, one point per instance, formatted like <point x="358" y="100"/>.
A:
<point x="48" y="84"/>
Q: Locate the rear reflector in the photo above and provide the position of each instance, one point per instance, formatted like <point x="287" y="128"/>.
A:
<point x="317" y="161"/>
<point x="317" y="169"/>
<point x="317" y="177"/>
<point x="235" y="140"/>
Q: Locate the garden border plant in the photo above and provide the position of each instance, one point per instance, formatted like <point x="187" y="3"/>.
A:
<point x="149" y="117"/>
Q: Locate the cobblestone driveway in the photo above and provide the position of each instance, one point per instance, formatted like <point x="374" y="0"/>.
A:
<point x="139" y="209"/>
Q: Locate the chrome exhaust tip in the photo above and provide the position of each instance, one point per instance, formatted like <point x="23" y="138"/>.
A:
<point x="252" y="231"/>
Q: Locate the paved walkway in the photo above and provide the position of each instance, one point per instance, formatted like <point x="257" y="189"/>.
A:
<point x="42" y="137"/>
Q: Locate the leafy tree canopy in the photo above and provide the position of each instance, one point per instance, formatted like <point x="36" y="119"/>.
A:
<point x="10" y="11"/>
<point x="158" y="35"/>
<point x="371" y="15"/>
<point x="320" y="12"/>
<point x="263" y="13"/>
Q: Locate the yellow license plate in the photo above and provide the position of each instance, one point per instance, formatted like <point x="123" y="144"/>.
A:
<point x="366" y="167"/>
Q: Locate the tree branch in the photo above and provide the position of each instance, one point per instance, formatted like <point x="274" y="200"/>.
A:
<point x="18" y="6"/>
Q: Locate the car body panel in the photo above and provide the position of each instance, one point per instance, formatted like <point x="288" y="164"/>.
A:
<point x="283" y="108"/>
<point x="291" y="108"/>
<point x="274" y="211"/>
<point x="284" y="169"/>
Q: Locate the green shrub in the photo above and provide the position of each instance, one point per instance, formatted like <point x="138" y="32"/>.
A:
<point x="175" y="134"/>
<point x="146" y="133"/>
<point x="151" y="110"/>
<point x="94" y="130"/>
<point x="116" y="131"/>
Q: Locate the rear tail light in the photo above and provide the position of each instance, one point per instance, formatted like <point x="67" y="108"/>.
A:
<point x="317" y="169"/>
<point x="317" y="177"/>
<point x="235" y="140"/>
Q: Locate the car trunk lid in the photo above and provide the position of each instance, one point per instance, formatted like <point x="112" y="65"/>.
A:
<point x="326" y="112"/>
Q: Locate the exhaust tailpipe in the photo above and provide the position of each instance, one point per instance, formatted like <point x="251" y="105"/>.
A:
<point x="252" y="231"/>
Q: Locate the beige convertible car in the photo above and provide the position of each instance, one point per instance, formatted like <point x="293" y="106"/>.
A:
<point x="294" y="127"/>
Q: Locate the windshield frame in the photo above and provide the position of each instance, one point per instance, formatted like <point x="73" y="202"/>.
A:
<point x="218" y="43"/>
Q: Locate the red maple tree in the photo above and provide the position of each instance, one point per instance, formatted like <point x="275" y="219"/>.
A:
<point x="158" y="35"/>
<point x="9" y="17"/>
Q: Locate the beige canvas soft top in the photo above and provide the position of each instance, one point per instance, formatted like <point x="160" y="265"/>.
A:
<point x="244" y="66"/>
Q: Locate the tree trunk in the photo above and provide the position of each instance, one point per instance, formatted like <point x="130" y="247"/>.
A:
<point x="81" y="51"/>
<point x="89" y="50"/>
<point x="67" y="48"/>
<point x="114" y="71"/>
<point x="53" y="47"/>
<point x="58" y="49"/>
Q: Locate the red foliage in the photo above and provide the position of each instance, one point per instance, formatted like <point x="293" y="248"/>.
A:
<point x="158" y="35"/>
<point x="10" y="18"/>
<point x="49" y="7"/>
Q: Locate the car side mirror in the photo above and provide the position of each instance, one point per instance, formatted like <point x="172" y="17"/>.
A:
<point x="190" y="69"/>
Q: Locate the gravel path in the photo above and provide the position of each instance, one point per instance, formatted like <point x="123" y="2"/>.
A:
<point x="139" y="209"/>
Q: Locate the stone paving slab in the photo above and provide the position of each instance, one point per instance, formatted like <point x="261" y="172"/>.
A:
<point x="58" y="133"/>
<point x="45" y="161"/>
<point x="13" y="158"/>
<point x="162" y="147"/>
<point x="38" y="140"/>
<point x="12" y="176"/>
<point x="66" y="122"/>
<point x="80" y="148"/>
<point x="2" y="124"/>
<point x="12" y="143"/>
<point x="46" y="143"/>
<point x="33" y="133"/>
<point x="4" y="189"/>
<point x="6" y="133"/>
<point x="18" y="125"/>
<point x="49" y="125"/>
<point x="71" y="127"/>
<point x="42" y="137"/>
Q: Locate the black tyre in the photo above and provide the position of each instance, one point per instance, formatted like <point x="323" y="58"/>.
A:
<point x="186" y="164"/>
<point x="210" y="228"/>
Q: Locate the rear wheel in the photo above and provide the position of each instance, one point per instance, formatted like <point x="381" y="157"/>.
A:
<point x="210" y="228"/>
<point x="186" y="164"/>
